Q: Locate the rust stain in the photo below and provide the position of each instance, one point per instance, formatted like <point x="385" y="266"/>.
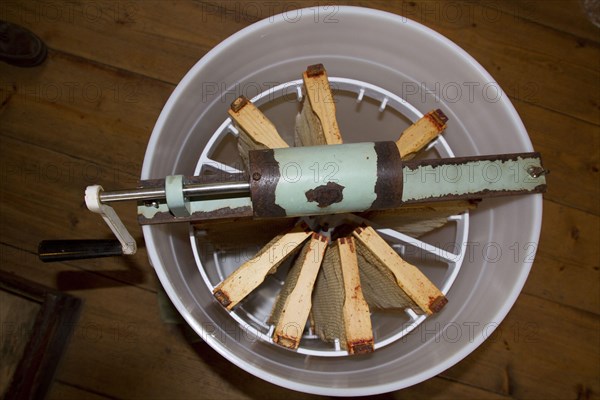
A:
<point x="304" y="226"/>
<point x="477" y="196"/>
<point x="239" y="103"/>
<point x="262" y="191"/>
<point x="437" y="118"/>
<point x="535" y="172"/>
<point x="436" y="304"/>
<point x="221" y="213"/>
<point x="326" y="195"/>
<point x="351" y="244"/>
<point x="415" y="164"/>
<point x="315" y="70"/>
<point x="222" y="297"/>
<point x="361" y="346"/>
<point x="286" y="341"/>
<point x="389" y="184"/>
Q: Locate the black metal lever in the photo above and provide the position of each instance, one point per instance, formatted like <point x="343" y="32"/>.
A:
<point x="64" y="250"/>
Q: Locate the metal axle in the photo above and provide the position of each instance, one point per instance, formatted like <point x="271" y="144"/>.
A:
<point x="195" y="190"/>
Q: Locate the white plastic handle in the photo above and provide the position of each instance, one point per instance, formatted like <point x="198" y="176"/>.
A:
<point x="92" y="201"/>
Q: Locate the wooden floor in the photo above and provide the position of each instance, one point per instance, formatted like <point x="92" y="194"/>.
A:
<point x="85" y="117"/>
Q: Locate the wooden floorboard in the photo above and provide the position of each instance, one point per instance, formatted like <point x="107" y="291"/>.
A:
<point x="64" y="391"/>
<point x="557" y="14"/>
<point x="565" y="144"/>
<point x="120" y="328"/>
<point x="522" y="358"/>
<point x="566" y="266"/>
<point x="86" y="115"/>
<point x="542" y="70"/>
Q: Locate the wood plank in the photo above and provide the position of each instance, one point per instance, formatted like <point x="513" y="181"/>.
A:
<point x="573" y="163"/>
<point x="256" y="131"/>
<point x="567" y="264"/>
<point x="40" y="182"/>
<point x="537" y="60"/>
<point x="17" y="319"/>
<point x="121" y="349"/>
<point x="91" y="112"/>
<point x="294" y="302"/>
<point x="541" y="350"/>
<point x="555" y="141"/>
<point x="545" y="70"/>
<point x="441" y="388"/>
<point x="138" y="33"/>
<point x="317" y="123"/>
<point x="483" y="20"/>
<point x="561" y="16"/>
<point x="64" y="391"/>
<point x="566" y="16"/>
<point x="253" y="272"/>
<point x="555" y="280"/>
<point x="421" y="133"/>
<point x="410" y="281"/>
<point x="356" y="313"/>
<point x="539" y="70"/>
<point x="574" y="236"/>
<point x="340" y="311"/>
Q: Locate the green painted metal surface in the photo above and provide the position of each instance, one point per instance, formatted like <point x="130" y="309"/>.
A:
<point x="431" y="182"/>
<point x="302" y="169"/>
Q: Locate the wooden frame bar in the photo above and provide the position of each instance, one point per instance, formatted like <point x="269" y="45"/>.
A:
<point x="46" y="339"/>
<point x="421" y="133"/>
<point x="317" y="124"/>
<point x="253" y="272"/>
<point x="256" y="131"/>
<point x="413" y="287"/>
<point x="356" y="313"/>
<point x="294" y="303"/>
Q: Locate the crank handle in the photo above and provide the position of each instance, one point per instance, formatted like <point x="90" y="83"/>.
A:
<point x="63" y="250"/>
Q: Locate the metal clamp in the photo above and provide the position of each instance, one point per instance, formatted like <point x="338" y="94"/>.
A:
<point x="178" y="204"/>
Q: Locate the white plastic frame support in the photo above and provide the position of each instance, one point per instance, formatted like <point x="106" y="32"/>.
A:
<point x="387" y="100"/>
<point x="93" y="203"/>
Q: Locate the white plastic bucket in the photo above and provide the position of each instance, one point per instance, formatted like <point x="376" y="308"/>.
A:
<point x="413" y="62"/>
